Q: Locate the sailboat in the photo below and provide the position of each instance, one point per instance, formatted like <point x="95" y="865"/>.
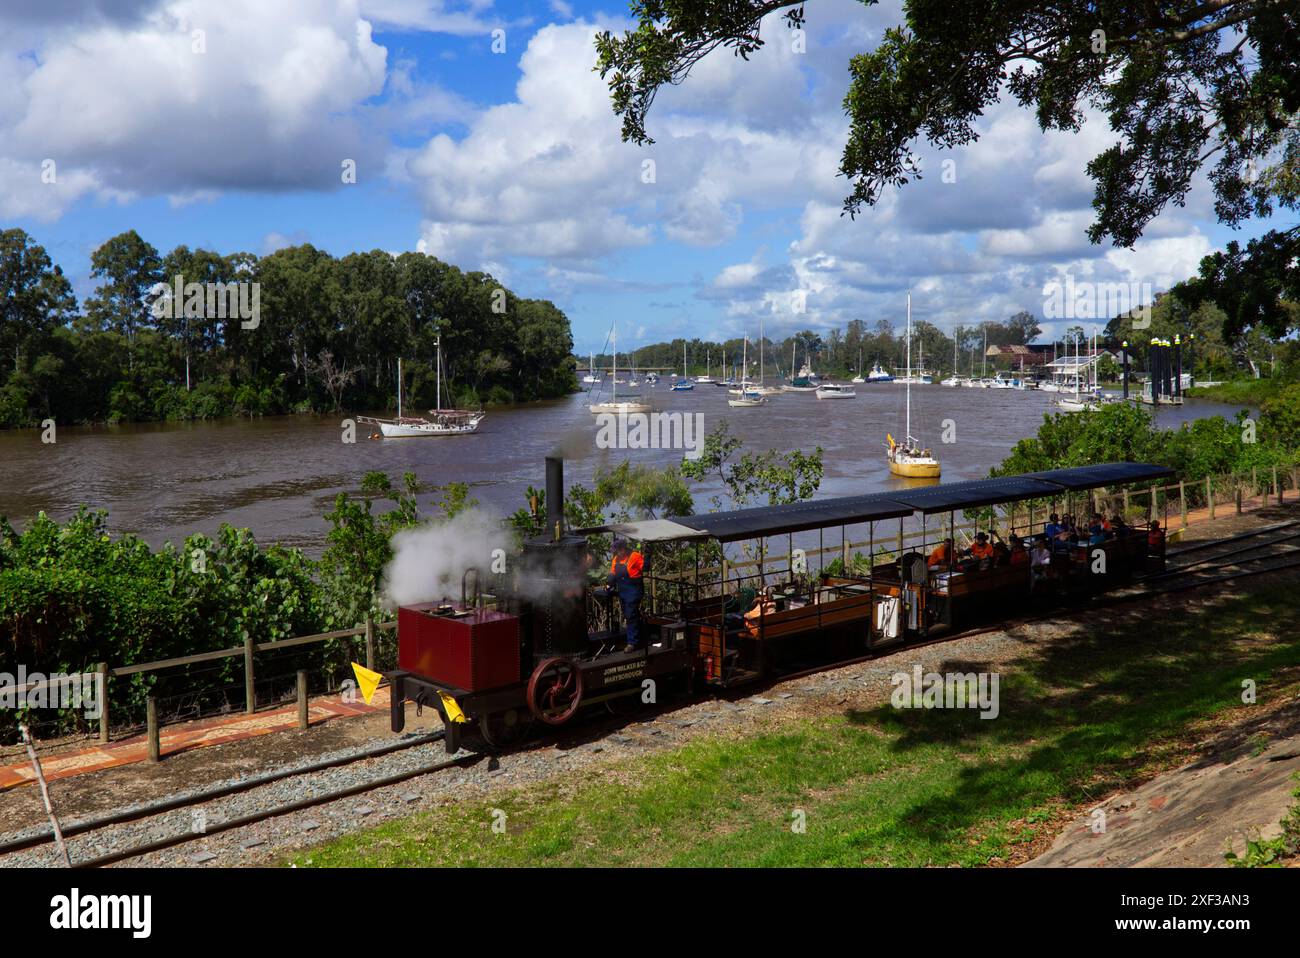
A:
<point x="707" y="378"/>
<point x="858" y="378"/>
<point x="746" y="395"/>
<point x="954" y="379"/>
<point x="908" y="459"/>
<point x="683" y="385"/>
<point x="591" y="379"/>
<point x="626" y="407"/>
<point x="1078" y="402"/>
<point x="804" y="381"/>
<point x="442" y="422"/>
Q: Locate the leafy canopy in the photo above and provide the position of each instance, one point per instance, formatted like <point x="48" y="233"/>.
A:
<point x="1183" y="83"/>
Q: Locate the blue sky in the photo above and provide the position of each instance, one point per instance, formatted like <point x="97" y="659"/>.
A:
<point x="510" y="161"/>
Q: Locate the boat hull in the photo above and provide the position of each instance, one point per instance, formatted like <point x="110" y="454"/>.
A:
<point x="395" y="430"/>
<point x="915" y="470"/>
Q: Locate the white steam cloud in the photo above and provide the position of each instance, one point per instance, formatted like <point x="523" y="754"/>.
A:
<point x="429" y="560"/>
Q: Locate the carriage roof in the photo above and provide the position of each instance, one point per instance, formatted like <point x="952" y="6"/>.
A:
<point x="794" y="517"/>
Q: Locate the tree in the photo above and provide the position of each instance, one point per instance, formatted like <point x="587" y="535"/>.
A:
<point x="779" y="477"/>
<point x="1023" y="328"/>
<point x="1180" y="82"/>
<point x="35" y="296"/>
<point x="130" y="268"/>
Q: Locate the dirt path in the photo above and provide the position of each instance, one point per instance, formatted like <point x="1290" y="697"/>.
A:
<point x="1238" y="791"/>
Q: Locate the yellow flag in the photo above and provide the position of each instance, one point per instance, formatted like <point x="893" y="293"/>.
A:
<point x="890" y="438"/>
<point x="367" y="681"/>
<point x="453" y="709"/>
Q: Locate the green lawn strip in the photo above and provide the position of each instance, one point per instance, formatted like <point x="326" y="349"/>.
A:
<point x="1083" y="715"/>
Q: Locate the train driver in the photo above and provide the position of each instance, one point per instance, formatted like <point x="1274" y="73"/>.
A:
<point x="625" y="579"/>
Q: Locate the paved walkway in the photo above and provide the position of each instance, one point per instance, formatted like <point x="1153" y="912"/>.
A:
<point x="185" y="736"/>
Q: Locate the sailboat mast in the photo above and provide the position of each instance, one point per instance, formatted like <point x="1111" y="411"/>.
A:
<point x="399" y="387"/>
<point x="760" y="350"/>
<point x="439" y="373"/>
<point x="908" y="434"/>
<point x="613" y="379"/>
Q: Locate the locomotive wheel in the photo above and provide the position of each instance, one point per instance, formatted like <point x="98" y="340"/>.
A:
<point x="504" y="728"/>
<point x="555" y="691"/>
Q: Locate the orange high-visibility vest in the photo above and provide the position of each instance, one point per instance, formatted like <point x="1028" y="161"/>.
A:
<point x="634" y="562"/>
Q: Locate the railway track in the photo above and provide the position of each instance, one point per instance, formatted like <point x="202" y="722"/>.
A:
<point x="195" y="800"/>
<point x="1229" y="559"/>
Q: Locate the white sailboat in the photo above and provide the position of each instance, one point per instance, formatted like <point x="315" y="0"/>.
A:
<point x="707" y="378"/>
<point x="440" y="422"/>
<point x="683" y="384"/>
<point x="627" y="406"/>
<point x="858" y="378"/>
<point x="591" y="379"/>
<point x="908" y="459"/>
<point x="746" y="395"/>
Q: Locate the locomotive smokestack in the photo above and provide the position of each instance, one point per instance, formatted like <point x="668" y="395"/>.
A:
<point x="554" y="496"/>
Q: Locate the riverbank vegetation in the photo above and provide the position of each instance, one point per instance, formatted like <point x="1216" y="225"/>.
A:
<point x="326" y="334"/>
<point x="1213" y="446"/>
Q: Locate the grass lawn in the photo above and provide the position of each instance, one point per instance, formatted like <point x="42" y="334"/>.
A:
<point x="1083" y="715"/>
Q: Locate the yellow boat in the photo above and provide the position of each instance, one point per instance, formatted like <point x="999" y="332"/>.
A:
<point x="909" y="460"/>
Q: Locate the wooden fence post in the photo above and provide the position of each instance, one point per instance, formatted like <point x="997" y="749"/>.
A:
<point x="1154" y="512"/>
<point x="1182" y="501"/>
<point x="103" y="701"/>
<point x="250" y="690"/>
<point x="1277" y="490"/>
<point x="370" y="641"/>
<point x="1239" y="498"/>
<point x="1126" y="503"/>
<point x="151" y="725"/>
<point x="302" y="698"/>
<point x="1209" y="496"/>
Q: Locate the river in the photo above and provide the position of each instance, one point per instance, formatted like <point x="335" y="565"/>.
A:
<point x="279" y="476"/>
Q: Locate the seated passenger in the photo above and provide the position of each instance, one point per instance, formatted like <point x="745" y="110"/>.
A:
<point x="1053" y="527"/>
<point x="1119" y="526"/>
<point x="942" y="554"/>
<point x="1019" y="555"/>
<point x="980" y="548"/>
<point x="1155" y="539"/>
<point x="1001" y="553"/>
<point x="1040" y="558"/>
<point x="764" y="605"/>
<point x="1096" y="532"/>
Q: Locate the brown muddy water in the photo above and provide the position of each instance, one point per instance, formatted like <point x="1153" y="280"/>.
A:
<point x="279" y="476"/>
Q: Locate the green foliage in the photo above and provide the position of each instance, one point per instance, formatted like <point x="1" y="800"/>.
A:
<point x="1279" y="420"/>
<point x="1212" y="446"/>
<point x="778" y="477"/>
<point x="352" y="565"/>
<point x="329" y="334"/>
<point x="72" y="596"/>
<point x="1179" y="82"/>
<point x="1273" y="852"/>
